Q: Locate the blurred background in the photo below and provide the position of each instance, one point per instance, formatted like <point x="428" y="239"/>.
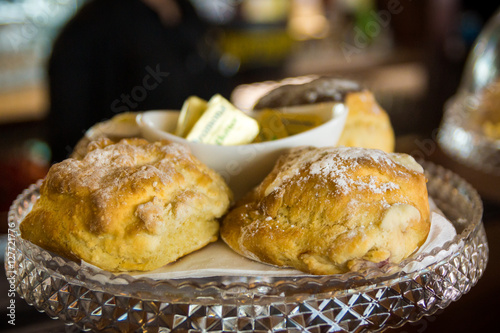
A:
<point x="411" y="54"/>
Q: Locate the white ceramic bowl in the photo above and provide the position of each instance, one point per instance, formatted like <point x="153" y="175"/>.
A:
<point x="245" y="166"/>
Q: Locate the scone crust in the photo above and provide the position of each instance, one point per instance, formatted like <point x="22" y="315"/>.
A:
<point x="131" y="205"/>
<point x="331" y="210"/>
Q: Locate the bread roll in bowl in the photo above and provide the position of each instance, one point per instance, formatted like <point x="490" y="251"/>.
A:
<point x="332" y="210"/>
<point x="131" y="205"/>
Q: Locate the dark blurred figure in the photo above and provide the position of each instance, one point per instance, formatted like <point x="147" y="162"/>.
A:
<point x="126" y="55"/>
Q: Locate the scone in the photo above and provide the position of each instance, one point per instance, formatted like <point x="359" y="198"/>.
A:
<point x="367" y="124"/>
<point x="332" y="210"/>
<point x="131" y="205"/>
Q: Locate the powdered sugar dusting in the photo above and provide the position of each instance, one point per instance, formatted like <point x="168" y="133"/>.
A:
<point x="135" y="161"/>
<point x="336" y="165"/>
<point x="108" y="170"/>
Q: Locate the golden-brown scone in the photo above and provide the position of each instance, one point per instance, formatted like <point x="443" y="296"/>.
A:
<point x="131" y="205"/>
<point x="331" y="210"/>
<point x="367" y="124"/>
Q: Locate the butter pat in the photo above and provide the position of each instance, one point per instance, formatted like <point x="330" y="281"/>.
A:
<point x="223" y="124"/>
<point x="296" y="123"/>
<point x="192" y="110"/>
<point x="271" y="126"/>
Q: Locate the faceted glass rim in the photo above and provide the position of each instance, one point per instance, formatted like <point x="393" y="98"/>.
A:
<point x="230" y="288"/>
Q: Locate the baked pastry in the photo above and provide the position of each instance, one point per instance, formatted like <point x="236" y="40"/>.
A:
<point x="332" y="210"/>
<point x="131" y="205"/>
<point x="367" y="124"/>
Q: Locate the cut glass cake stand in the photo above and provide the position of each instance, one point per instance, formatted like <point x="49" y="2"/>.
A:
<point x="356" y="302"/>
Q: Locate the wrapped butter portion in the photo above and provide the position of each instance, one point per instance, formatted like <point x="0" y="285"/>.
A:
<point x="192" y="110"/>
<point x="296" y="123"/>
<point x="223" y="124"/>
<point x="276" y="124"/>
<point x="271" y="126"/>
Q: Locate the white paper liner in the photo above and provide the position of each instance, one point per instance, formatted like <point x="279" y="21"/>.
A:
<point x="217" y="259"/>
<point x="441" y="232"/>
